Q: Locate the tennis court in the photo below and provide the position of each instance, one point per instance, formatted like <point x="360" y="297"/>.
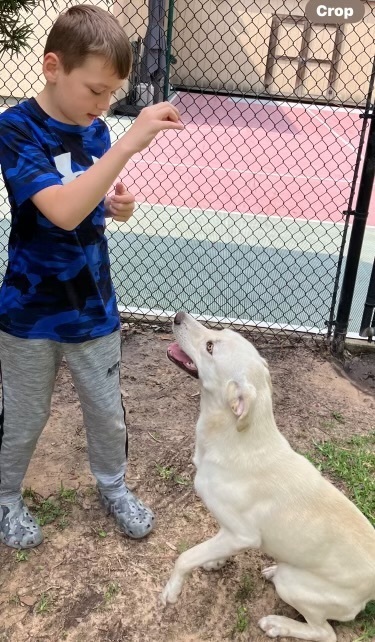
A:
<point x="240" y="216"/>
<point x="243" y="155"/>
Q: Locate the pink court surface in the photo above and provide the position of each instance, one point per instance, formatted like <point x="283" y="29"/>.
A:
<point x="252" y="157"/>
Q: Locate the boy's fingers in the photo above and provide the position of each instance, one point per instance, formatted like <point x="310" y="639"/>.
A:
<point x="163" y="111"/>
<point x="121" y="219"/>
<point x="170" y="110"/>
<point x="122" y="195"/>
<point x="120" y="189"/>
<point x="123" y="198"/>
<point x="122" y="207"/>
<point x="168" y="124"/>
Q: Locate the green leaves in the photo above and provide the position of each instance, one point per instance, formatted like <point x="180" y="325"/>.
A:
<point x="14" y="6"/>
<point x="15" y="31"/>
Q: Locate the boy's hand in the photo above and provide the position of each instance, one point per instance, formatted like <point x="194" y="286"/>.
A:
<point x="121" y="205"/>
<point x="149" y="123"/>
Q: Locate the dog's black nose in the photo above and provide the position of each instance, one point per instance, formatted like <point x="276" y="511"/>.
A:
<point x="178" y="318"/>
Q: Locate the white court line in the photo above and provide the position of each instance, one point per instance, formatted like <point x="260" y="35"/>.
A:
<point x="242" y="171"/>
<point x="307" y="108"/>
<point x="211" y="212"/>
<point x="235" y="128"/>
<point x="139" y="314"/>
<point x="154" y="314"/>
<point x="268" y="101"/>
<point x="332" y="131"/>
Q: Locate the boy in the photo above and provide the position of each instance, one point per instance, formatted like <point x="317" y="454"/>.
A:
<point x="57" y="298"/>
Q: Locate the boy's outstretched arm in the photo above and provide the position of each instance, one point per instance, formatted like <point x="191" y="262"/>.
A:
<point x="68" y="205"/>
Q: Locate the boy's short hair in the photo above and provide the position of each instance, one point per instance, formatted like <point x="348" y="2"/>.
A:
<point x="85" y="30"/>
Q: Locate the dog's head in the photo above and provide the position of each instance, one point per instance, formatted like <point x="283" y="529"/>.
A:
<point x="228" y="366"/>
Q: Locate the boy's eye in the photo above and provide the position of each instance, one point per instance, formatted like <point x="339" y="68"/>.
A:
<point x="99" y="93"/>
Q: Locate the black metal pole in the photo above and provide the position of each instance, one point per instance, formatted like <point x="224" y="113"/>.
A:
<point x="169" y="48"/>
<point x="367" y="328"/>
<point x="360" y="215"/>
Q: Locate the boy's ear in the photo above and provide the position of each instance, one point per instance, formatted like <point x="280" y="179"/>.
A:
<point x="51" y="66"/>
<point x="241" y="397"/>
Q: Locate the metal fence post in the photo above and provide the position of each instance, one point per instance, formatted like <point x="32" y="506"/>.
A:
<point x="360" y="215"/>
<point x="169" y="46"/>
<point x="367" y="328"/>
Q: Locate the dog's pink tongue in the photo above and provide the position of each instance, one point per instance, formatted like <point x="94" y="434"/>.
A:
<point x="174" y="351"/>
<point x="181" y="359"/>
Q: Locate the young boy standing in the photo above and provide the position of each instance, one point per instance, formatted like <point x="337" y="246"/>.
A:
<point x="57" y="298"/>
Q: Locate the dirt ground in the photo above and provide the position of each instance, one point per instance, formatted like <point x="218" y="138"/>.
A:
<point x="87" y="582"/>
<point x="360" y="368"/>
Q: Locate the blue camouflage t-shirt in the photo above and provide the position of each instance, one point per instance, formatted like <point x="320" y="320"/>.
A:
<point x="57" y="283"/>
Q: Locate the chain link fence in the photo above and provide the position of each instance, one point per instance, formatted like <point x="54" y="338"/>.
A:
<point x="242" y="218"/>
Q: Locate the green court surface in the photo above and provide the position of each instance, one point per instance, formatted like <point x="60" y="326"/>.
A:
<point x="257" y="270"/>
<point x="261" y="270"/>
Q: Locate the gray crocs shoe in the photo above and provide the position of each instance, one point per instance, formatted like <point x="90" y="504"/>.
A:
<point x="18" y="529"/>
<point x="131" y="515"/>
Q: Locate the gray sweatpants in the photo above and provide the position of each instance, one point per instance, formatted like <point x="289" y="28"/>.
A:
<point x="29" y="368"/>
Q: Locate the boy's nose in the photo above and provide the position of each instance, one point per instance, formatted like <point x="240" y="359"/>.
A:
<point x="104" y="103"/>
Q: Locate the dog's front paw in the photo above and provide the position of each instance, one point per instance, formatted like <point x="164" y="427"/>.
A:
<point x="269" y="572"/>
<point x="214" y="566"/>
<point x="170" y="593"/>
<point x="271" y="625"/>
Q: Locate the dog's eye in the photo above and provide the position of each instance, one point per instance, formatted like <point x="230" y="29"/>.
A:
<point x="210" y="347"/>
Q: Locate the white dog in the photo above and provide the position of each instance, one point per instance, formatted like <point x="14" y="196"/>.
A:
<point x="266" y="496"/>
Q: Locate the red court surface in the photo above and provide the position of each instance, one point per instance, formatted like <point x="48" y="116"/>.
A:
<point x="252" y="157"/>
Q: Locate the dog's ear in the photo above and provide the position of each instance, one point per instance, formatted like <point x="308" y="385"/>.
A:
<point x="267" y="373"/>
<point x="241" y="397"/>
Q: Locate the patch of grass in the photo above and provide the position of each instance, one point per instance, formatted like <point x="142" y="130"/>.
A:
<point x="47" y="511"/>
<point x="29" y="493"/>
<point x="168" y="473"/>
<point x="369" y="634"/>
<point x="242" y="621"/>
<point x="111" y="591"/>
<point x="180" y="479"/>
<point x="63" y="523"/>
<point x="245" y="588"/>
<point x="338" y="417"/>
<point x="366" y="622"/>
<point x="165" y="472"/>
<point x="90" y="491"/>
<point x="67" y="494"/>
<point x="14" y="599"/>
<point x="22" y="556"/>
<point x="335" y="418"/>
<point x="352" y="462"/>
<point x="102" y="533"/>
<point x="243" y="593"/>
<point x="44" y="604"/>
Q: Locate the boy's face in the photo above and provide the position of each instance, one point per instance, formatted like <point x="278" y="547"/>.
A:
<point x="82" y="95"/>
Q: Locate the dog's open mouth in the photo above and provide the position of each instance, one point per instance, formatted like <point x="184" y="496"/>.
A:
<point x="182" y="360"/>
